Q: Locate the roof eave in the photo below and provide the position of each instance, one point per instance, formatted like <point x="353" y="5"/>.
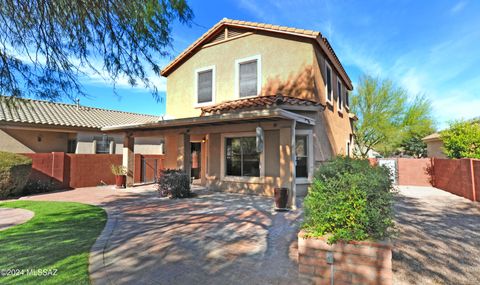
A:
<point x="319" y="39"/>
<point x="227" y="117"/>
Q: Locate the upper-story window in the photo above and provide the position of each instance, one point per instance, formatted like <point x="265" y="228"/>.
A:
<point x="248" y="76"/>
<point x="328" y="84"/>
<point x="339" y="92"/>
<point x="347" y="100"/>
<point x="205" y="85"/>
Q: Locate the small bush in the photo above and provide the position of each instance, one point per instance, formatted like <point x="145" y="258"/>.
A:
<point x="14" y="172"/>
<point x="174" y="183"/>
<point x="350" y="200"/>
<point x="38" y="186"/>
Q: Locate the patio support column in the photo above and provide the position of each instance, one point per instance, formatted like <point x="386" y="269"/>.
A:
<point x="183" y="159"/>
<point x="128" y="157"/>
<point x="287" y="162"/>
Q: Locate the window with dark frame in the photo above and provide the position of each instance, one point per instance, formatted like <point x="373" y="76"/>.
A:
<point x="205" y="86"/>
<point x="329" y="84"/>
<point x="241" y="156"/>
<point x="72" y="146"/>
<point x="103" y="144"/>
<point x="248" y="78"/>
<point x="339" y="92"/>
<point x="346" y="98"/>
<point x="301" y="153"/>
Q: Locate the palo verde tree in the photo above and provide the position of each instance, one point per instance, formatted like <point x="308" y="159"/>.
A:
<point x="387" y="117"/>
<point x="45" y="46"/>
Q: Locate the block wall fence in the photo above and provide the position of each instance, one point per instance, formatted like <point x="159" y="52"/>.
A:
<point x="457" y="176"/>
<point x="64" y="170"/>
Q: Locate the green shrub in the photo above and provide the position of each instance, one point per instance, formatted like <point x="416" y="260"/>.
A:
<point x="462" y="139"/>
<point x="174" y="183"/>
<point x="14" y="172"/>
<point x="350" y="200"/>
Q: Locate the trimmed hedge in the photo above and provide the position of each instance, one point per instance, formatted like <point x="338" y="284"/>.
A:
<point x="174" y="183"/>
<point x="14" y="172"/>
<point x="350" y="200"/>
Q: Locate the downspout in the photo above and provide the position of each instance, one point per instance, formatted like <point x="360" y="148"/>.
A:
<point x="293" y="166"/>
<point x="472" y="173"/>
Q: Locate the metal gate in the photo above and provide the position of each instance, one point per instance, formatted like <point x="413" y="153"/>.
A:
<point x="149" y="170"/>
<point x="391" y="164"/>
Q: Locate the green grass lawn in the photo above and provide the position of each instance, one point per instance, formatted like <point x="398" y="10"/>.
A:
<point x="58" y="237"/>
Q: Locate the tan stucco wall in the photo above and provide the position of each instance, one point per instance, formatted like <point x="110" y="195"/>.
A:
<point x="337" y="125"/>
<point x="85" y="142"/>
<point x="149" y="145"/>
<point x="434" y="149"/>
<point x="291" y="67"/>
<point x="27" y="141"/>
<point x="281" y="61"/>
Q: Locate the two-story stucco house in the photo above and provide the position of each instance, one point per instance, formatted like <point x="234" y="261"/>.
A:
<point x="254" y="107"/>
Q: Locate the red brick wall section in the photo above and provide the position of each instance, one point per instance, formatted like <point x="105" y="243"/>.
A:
<point x="414" y="172"/>
<point x="454" y="176"/>
<point x="42" y="170"/>
<point x="92" y="169"/>
<point x="73" y="170"/>
<point x="476" y="176"/>
<point x="354" y="262"/>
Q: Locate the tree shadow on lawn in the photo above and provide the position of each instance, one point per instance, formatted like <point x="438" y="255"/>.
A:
<point x="218" y="238"/>
<point x="59" y="236"/>
<point x="438" y="242"/>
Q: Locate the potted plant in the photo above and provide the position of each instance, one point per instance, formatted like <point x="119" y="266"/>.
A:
<point x="120" y="173"/>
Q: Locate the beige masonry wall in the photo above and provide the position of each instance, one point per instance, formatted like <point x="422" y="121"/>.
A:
<point x="435" y="149"/>
<point x="282" y="60"/>
<point x="335" y="121"/>
<point x="30" y="141"/>
<point x="85" y="142"/>
<point x="289" y="66"/>
<point x="43" y="141"/>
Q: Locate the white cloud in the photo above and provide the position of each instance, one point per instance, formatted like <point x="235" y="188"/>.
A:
<point x="256" y="9"/>
<point x="458" y="7"/>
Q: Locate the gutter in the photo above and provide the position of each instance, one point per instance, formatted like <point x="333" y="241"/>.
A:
<point x="243" y="116"/>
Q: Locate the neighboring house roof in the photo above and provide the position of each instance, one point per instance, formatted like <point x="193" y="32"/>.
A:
<point x="260" y="101"/>
<point x="432" y="137"/>
<point x="211" y="33"/>
<point x="31" y="111"/>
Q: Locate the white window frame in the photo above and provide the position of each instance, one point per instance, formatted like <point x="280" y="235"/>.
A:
<point x="244" y="179"/>
<point x="309" y="134"/>
<point x="258" y="58"/>
<point x="327" y="67"/>
<point x="340" y="92"/>
<point x="197" y="71"/>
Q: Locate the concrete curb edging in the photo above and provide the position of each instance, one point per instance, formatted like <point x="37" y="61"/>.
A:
<point x="97" y="266"/>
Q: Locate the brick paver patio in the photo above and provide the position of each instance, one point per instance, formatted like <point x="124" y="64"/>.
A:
<point x="215" y="238"/>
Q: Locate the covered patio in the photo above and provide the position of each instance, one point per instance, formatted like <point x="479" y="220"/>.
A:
<point x="219" y="148"/>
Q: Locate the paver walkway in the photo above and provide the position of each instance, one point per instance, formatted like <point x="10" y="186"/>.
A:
<point x="10" y="217"/>
<point x="215" y="238"/>
<point x="438" y="240"/>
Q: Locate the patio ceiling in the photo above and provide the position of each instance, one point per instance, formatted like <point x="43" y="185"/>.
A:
<point x="218" y="119"/>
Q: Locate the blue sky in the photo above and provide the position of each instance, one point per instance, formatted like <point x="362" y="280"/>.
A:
<point x="428" y="47"/>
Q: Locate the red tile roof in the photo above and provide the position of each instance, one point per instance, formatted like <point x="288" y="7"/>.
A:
<point x="260" y="101"/>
